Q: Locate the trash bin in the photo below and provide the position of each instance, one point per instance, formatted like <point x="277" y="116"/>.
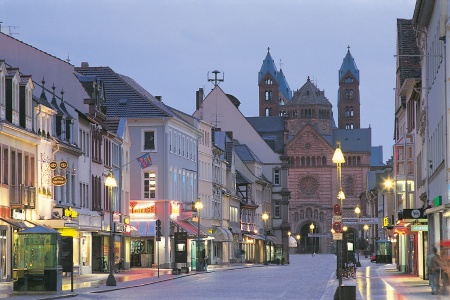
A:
<point x="347" y="292"/>
<point x="278" y="261"/>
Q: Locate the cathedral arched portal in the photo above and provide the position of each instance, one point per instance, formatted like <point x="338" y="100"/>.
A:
<point x="310" y="241"/>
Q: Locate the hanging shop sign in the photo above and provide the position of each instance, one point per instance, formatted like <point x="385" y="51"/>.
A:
<point x="59" y="180"/>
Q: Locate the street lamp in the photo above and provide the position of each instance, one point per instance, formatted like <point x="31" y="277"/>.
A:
<point x="311" y="227"/>
<point x="265" y="216"/>
<point x="357" y="212"/>
<point x="338" y="159"/>
<point x="366" y="237"/>
<point x="298" y="243"/>
<point x="198" y="207"/>
<point x="110" y="182"/>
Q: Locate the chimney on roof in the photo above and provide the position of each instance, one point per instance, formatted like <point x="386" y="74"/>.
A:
<point x="158" y="98"/>
<point x="85" y="64"/>
<point x="199" y="98"/>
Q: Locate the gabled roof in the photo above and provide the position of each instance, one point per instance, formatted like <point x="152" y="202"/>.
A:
<point x="268" y="66"/>
<point x="309" y="94"/>
<point x="126" y="98"/>
<point x="348" y="64"/>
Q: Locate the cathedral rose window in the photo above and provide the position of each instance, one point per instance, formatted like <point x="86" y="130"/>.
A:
<point x="308" y="185"/>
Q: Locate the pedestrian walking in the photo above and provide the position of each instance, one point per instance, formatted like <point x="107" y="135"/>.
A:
<point x="432" y="267"/>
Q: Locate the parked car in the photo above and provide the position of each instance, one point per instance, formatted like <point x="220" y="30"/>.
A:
<point x="373" y="257"/>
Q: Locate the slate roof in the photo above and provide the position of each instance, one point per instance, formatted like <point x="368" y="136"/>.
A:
<point x="271" y="129"/>
<point x="309" y="94"/>
<point x="353" y="140"/>
<point x="348" y="64"/>
<point x="408" y="65"/>
<point x="268" y="66"/>
<point x="241" y="179"/>
<point x="126" y="98"/>
<point x="245" y="153"/>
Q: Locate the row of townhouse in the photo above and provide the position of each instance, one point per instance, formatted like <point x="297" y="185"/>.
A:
<point x="57" y="156"/>
<point x="410" y="195"/>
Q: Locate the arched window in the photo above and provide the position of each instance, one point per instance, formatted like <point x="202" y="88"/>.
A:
<point x="302" y="214"/>
<point x="351" y="111"/>
<point x="308" y="213"/>
<point x="321" y="216"/>
<point x="296" y="216"/>
<point x="347" y="112"/>
<point x="267" y="112"/>
<point x="358" y="160"/>
<point x="303" y="161"/>
<point x="351" y="93"/>
<point x="308" y="161"/>
<point x="313" y="161"/>
<point x="324" y="161"/>
<point x="316" y="214"/>
<point x="297" y="161"/>
<point x="349" y="187"/>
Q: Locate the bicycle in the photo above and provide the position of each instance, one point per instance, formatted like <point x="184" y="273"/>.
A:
<point x="119" y="266"/>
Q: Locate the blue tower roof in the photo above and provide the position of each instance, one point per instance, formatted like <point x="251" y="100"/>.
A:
<point x="348" y="64"/>
<point x="268" y="66"/>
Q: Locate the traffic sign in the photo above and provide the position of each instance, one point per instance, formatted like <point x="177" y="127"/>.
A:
<point x="337" y="236"/>
<point x="355" y="221"/>
<point x="337" y="209"/>
<point x="337" y="227"/>
<point x="337" y="219"/>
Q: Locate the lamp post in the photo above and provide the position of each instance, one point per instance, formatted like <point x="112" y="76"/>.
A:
<point x="357" y="212"/>
<point x="298" y="243"/>
<point x="338" y="159"/>
<point x="198" y="206"/>
<point x="366" y="238"/>
<point x="265" y="216"/>
<point x="311" y="227"/>
<point x="110" y="182"/>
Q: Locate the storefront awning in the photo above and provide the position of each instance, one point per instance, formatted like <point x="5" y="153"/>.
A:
<point x="274" y="240"/>
<point x="292" y="242"/>
<point x="14" y="223"/>
<point x="191" y="229"/>
<point x="222" y="234"/>
<point x="254" y="236"/>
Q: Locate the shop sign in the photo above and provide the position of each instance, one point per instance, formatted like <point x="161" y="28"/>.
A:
<point x="142" y="208"/>
<point x="419" y="227"/>
<point x="58" y="180"/>
<point x="70" y="213"/>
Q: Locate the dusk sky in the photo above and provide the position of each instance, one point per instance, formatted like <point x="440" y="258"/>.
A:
<point x="169" y="46"/>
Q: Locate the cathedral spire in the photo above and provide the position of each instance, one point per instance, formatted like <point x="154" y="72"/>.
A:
<point x="348" y="65"/>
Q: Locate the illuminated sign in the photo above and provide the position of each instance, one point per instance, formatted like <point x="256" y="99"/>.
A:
<point x="142" y="208"/>
<point x="70" y="213"/>
<point x="386" y="221"/>
<point x="175" y="209"/>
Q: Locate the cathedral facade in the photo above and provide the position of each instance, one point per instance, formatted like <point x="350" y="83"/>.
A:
<point x="311" y="136"/>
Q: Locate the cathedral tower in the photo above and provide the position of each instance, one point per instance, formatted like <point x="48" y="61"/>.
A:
<point x="348" y="96"/>
<point x="274" y="91"/>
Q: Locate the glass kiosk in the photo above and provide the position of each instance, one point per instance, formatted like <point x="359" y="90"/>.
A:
<point x="37" y="267"/>
<point x="384" y="251"/>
